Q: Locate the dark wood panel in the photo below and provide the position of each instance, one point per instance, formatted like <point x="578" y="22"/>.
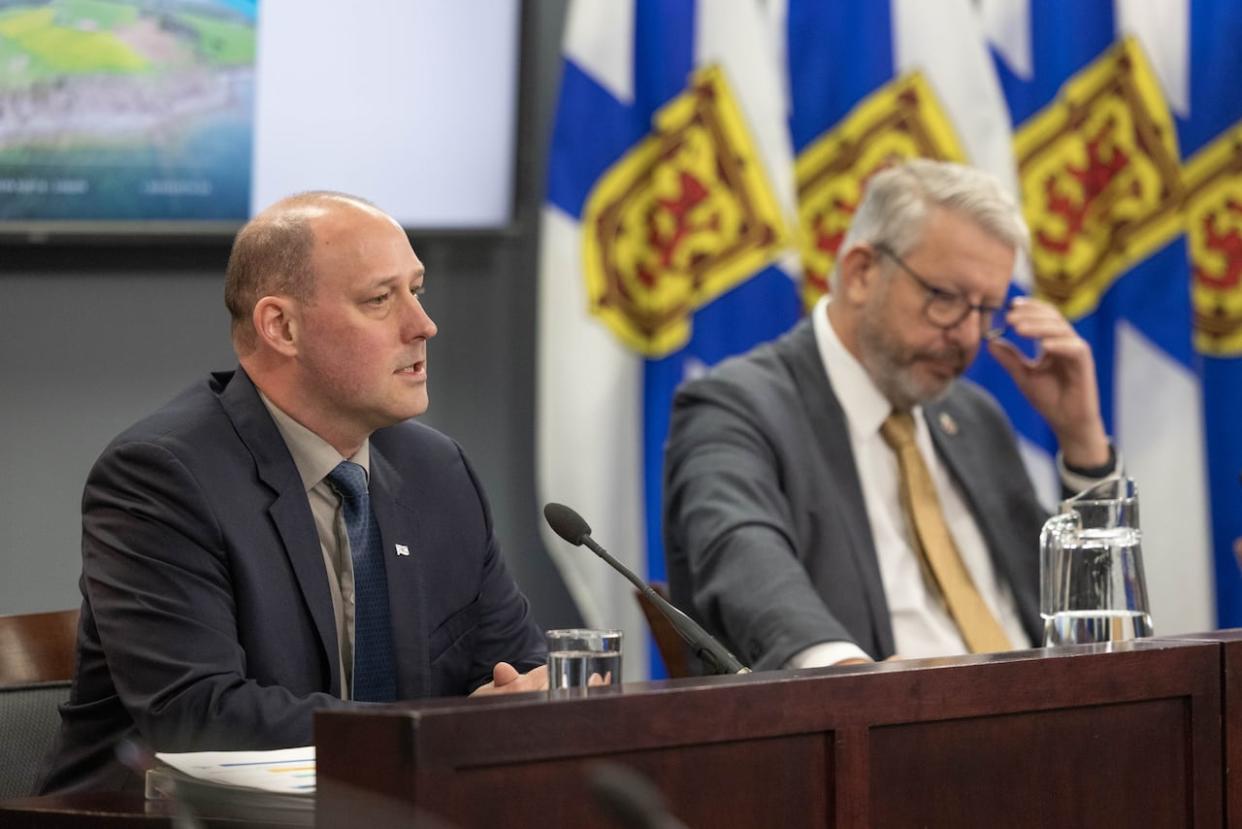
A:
<point x="1231" y="701"/>
<point x="1101" y="765"/>
<point x="785" y="786"/>
<point x="1232" y="655"/>
<point x="456" y="733"/>
<point x="103" y="810"/>
<point x="449" y="752"/>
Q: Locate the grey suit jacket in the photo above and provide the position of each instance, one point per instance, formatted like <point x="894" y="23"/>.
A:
<point x="766" y="534"/>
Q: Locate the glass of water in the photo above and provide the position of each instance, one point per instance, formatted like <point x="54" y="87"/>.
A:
<point x="580" y="658"/>
<point x="1092" y="587"/>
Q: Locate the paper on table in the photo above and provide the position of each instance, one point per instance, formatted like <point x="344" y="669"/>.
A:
<point x="282" y="771"/>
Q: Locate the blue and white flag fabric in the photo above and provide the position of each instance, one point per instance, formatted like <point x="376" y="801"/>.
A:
<point x="1121" y="139"/>
<point x="667" y="245"/>
<point x="1210" y="134"/>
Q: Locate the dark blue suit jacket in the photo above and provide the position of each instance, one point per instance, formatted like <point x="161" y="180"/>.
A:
<point x="207" y="621"/>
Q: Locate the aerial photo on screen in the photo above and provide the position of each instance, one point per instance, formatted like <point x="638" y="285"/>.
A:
<point x="126" y="109"/>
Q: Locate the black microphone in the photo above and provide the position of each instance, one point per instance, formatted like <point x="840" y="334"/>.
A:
<point x="570" y="526"/>
<point x="629" y="798"/>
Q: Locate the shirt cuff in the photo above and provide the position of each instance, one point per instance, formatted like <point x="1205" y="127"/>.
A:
<point x="823" y="654"/>
<point x="1078" y="479"/>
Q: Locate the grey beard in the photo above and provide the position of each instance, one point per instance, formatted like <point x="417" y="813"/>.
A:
<point x="893" y="379"/>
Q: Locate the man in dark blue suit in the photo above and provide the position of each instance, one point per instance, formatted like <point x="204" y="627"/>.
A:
<point x="282" y="538"/>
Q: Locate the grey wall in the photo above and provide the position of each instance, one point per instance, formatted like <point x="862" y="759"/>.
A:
<point x="93" y="337"/>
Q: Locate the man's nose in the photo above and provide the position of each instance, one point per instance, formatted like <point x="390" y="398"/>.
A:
<point x="416" y="322"/>
<point x="969" y="329"/>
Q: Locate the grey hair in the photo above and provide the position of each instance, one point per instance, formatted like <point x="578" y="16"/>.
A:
<point x="897" y="200"/>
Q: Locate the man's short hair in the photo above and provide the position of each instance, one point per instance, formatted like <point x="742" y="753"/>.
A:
<point x="897" y="200"/>
<point x="272" y="255"/>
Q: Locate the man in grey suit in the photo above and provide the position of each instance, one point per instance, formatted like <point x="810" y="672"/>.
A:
<point x="841" y="494"/>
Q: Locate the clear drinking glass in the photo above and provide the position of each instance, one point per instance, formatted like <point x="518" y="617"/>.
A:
<point x="580" y="658"/>
<point x="1092" y="587"/>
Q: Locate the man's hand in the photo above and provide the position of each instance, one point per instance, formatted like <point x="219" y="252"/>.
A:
<point x="1059" y="382"/>
<point x="507" y="680"/>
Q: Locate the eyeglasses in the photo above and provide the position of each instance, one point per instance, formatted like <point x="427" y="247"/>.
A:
<point x="947" y="309"/>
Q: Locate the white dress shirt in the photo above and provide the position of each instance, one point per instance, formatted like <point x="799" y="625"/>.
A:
<point x="921" y="623"/>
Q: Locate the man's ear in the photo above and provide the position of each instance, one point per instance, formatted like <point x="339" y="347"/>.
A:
<point x="277" y="324"/>
<point x="858" y="273"/>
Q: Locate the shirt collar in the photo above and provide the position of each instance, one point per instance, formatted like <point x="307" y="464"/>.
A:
<point x="312" y="455"/>
<point x="865" y="406"/>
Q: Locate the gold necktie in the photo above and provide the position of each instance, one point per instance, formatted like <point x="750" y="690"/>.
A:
<point x="980" y="629"/>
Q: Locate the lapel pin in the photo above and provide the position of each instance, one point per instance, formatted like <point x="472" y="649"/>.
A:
<point x="403" y="550"/>
<point x="948" y="424"/>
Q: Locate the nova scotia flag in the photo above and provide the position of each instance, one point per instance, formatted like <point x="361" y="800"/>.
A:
<point x="666" y="246"/>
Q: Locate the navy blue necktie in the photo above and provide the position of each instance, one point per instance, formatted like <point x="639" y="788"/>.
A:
<point x="375" y="678"/>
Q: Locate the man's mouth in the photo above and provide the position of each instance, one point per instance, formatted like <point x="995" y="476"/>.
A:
<point x="946" y="364"/>
<point x="414" y="369"/>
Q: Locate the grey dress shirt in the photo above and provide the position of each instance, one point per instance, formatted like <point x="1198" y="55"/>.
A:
<point x="315" y="458"/>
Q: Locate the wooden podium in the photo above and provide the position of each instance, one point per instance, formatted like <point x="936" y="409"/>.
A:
<point x="1087" y="736"/>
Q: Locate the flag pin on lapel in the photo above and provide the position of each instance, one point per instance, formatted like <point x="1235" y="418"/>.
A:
<point x="403" y="550"/>
<point x="948" y="424"/>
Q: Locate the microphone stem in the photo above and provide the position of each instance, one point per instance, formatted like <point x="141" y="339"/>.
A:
<point x="689" y="630"/>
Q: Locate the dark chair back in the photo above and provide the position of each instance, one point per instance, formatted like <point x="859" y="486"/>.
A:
<point x="36" y="666"/>
<point x="37" y="647"/>
<point x="672" y="647"/>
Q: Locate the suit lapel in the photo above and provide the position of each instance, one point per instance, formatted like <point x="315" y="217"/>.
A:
<point x="955" y="452"/>
<point x="843" y="491"/>
<point x="404" y="566"/>
<point x="289" y="510"/>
